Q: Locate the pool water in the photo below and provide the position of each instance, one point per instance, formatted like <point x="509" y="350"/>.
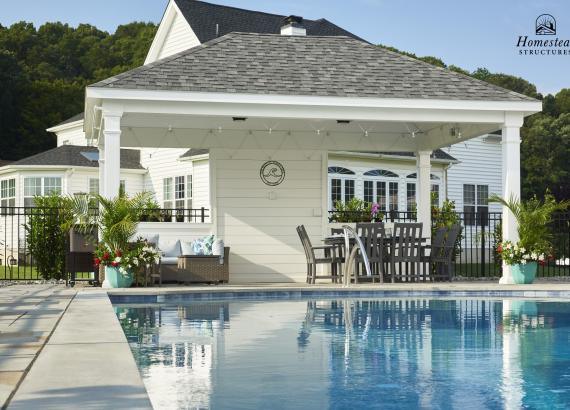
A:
<point x="353" y="354"/>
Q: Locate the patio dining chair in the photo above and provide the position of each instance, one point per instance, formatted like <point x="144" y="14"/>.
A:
<point x="440" y="260"/>
<point x="406" y="252"/>
<point x="328" y="257"/>
<point x="373" y="237"/>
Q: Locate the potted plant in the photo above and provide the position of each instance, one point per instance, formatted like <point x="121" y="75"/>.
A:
<point x="121" y="264"/>
<point x="117" y="222"/>
<point x="355" y="210"/>
<point x="534" y="245"/>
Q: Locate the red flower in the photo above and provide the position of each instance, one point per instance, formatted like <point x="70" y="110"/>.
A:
<point x="500" y="248"/>
<point x="97" y="262"/>
<point x="115" y="264"/>
<point x="118" y="253"/>
<point x="106" y="256"/>
<point x="542" y="263"/>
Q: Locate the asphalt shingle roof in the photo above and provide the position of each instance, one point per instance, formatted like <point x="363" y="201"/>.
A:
<point x="299" y="65"/>
<point x="203" y="18"/>
<point x="76" y="117"/>
<point x="70" y="155"/>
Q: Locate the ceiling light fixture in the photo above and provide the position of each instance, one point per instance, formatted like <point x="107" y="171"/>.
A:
<point x="343" y="121"/>
<point x="239" y="119"/>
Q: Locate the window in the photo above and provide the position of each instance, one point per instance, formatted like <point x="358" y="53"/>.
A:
<point x="434" y="194"/>
<point x="348" y="189"/>
<point x="381" y="195"/>
<point x="393" y="195"/>
<point x="167" y="193"/>
<point x="177" y="192"/>
<point x="342" y="185"/>
<point x="475" y="204"/>
<point x="369" y="191"/>
<point x="123" y="185"/>
<point x="52" y="185"/>
<point x="32" y="188"/>
<point x="93" y="186"/>
<point x="7" y="194"/>
<point x="411" y="196"/>
<point x="380" y="173"/>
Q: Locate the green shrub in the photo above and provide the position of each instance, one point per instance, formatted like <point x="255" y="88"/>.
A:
<point x="445" y="217"/>
<point x="47" y="230"/>
<point x="353" y="210"/>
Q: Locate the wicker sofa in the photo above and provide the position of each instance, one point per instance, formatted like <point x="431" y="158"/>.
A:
<point x="196" y="268"/>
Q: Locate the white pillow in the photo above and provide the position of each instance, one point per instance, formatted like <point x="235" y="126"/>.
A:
<point x="187" y="248"/>
<point x="218" y="247"/>
<point x="170" y="249"/>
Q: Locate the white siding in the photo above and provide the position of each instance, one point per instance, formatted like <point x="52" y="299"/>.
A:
<point x="162" y="163"/>
<point x="78" y="181"/>
<point x="261" y="232"/>
<point x="201" y="184"/>
<point x="480" y="165"/>
<point x="179" y="37"/>
<point x="71" y="136"/>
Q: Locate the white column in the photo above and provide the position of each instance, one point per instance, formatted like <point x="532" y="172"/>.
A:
<point x="423" y="190"/>
<point x="110" y="155"/>
<point x="511" y="180"/>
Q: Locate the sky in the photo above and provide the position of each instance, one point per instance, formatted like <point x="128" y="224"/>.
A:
<point x="464" y="33"/>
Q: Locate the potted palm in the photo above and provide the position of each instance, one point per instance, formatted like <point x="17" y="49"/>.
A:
<point x="534" y="245"/>
<point x="117" y="222"/>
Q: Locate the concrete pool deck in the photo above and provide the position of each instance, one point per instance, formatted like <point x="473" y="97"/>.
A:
<point x="65" y="349"/>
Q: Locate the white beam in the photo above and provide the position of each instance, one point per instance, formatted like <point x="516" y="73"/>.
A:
<point x="511" y="181"/>
<point x="110" y="155"/>
<point x="423" y="190"/>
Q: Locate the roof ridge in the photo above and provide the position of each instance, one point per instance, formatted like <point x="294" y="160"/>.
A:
<point x="242" y="9"/>
<point x="455" y="73"/>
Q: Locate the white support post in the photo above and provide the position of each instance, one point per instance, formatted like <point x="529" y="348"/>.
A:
<point x="110" y="155"/>
<point x="423" y="190"/>
<point x="511" y="180"/>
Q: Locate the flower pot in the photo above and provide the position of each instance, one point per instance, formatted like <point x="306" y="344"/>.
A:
<point x="116" y="279"/>
<point x="524" y="273"/>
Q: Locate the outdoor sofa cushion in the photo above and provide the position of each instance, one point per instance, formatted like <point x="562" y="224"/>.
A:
<point x="187" y="248"/>
<point x="169" y="260"/>
<point x="170" y="249"/>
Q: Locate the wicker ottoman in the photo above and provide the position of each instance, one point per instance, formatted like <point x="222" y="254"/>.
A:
<point x="204" y="269"/>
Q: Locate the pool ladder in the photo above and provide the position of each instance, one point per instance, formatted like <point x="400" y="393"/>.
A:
<point x="350" y="256"/>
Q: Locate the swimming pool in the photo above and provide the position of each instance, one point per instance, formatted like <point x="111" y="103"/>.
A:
<point x="351" y="353"/>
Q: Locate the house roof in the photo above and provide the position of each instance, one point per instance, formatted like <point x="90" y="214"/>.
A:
<point x="76" y="117"/>
<point x="4" y="162"/>
<point x="192" y="152"/>
<point x="74" y="156"/>
<point x="203" y="18"/>
<point x="299" y="65"/>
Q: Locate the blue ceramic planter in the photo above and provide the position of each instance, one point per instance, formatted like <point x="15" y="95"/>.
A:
<point x="117" y="279"/>
<point x="524" y="273"/>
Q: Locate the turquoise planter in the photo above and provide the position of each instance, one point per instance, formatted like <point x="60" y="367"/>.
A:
<point x="117" y="279"/>
<point x="524" y="273"/>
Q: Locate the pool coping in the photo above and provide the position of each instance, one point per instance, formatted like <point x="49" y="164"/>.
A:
<point x="101" y="354"/>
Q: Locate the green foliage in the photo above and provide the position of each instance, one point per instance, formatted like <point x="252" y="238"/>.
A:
<point x="44" y="71"/>
<point x="510" y="82"/>
<point x="117" y="219"/>
<point x="47" y="231"/>
<point x="445" y="217"/>
<point x="533" y="217"/>
<point x="354" y="210"/>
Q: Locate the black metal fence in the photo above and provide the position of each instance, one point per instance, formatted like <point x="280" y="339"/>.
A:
<point x="20" y="225"/>
<point x="482" y="231"/>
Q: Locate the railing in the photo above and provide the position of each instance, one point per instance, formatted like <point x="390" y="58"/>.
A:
<point x="476" y="255"/>
<point x="18" y="261"/>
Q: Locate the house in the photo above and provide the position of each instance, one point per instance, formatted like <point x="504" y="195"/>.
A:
<point x="207" y="111"/>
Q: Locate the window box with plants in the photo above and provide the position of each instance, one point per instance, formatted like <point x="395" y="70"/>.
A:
<point x="534" y="246"/>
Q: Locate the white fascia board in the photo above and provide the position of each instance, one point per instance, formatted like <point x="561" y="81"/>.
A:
<point x="195" y="158"/>
<point x="388" y="157"/>
<point x="14" y="168"/>
<point x="527" y="107"/>
<point x="67" y="126"/>
<point x="161" y="33"/>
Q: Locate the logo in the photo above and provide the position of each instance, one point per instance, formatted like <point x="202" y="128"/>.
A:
<point x="545" y="25"/>
<point x="543" y="44"/>
<point x="272" y="173"/>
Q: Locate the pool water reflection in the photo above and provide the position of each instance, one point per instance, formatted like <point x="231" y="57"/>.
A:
<point x="353" y="353"/>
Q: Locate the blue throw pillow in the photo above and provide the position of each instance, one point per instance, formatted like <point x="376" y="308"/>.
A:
<point x="198" y="247"/>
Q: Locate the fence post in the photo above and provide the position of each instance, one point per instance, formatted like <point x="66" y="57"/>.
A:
<point x="483" y="254"/>
<point x="202" y="214"/>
